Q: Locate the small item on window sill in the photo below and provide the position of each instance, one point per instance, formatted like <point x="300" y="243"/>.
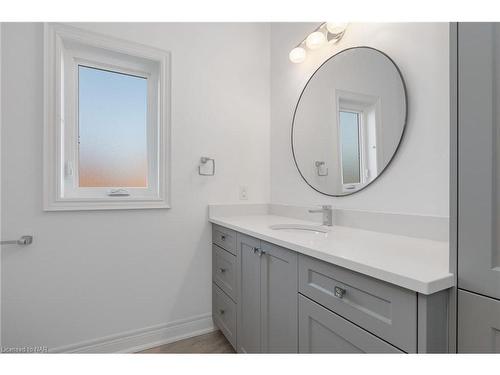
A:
<point x="118" y="193"/>
<point x="203" y="161"/>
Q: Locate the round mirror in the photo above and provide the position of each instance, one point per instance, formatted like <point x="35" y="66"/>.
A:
<point x="349" y="121"/>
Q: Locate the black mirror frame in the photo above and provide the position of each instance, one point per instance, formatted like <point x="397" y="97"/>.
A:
<point x="402" y="133"/>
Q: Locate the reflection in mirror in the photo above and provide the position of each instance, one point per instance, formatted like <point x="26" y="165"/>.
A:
<point x="349" y="143"/>
<point x="349" y="121"/>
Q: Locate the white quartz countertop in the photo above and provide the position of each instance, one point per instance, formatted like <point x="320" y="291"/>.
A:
<point x="417" y="264"/>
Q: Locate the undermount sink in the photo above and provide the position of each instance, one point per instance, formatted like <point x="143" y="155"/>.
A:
<point x="300" y="227"/>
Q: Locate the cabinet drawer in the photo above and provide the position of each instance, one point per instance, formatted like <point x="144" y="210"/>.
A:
<point x="224" y="270"/>
<point x="224" y="314"/>
<point x="322" y="331"/>
<point x="225" y="238"/>
<point x="386" y="310"/>
<point x="478" y="323"/>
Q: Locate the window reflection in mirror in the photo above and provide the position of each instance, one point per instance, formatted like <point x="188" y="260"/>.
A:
<point x="350" y="147"/>
<point x="358" y="116"/>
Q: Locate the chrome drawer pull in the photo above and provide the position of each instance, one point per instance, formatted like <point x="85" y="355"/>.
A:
<point x="222" y="270"/>
<point x="339" y="292"/>
<point x="23" y="241"/>
<point x="221" y="311"/>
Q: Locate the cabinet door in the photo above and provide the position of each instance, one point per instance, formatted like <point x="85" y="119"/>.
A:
<point x="478" y="157"/>
<point x="322" y="331"/>
<point x="278" y="299"/>
<point x="478" y="323"/>
<point x="248" y="319"/>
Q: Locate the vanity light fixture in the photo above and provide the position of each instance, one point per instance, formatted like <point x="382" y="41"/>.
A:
<point x="327" y="32"/>
<point x="336" y="29"/>
<point x="315" y="40"/>
<point x="297" y="55"/>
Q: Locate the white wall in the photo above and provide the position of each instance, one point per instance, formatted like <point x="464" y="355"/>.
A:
<point x="93" y="274"/>
<point x="417" y="180"/>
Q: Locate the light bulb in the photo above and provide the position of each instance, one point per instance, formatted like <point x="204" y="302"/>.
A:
<point x="297" y="55"/>
<point x="336" y="27"/>
<point x="315" y="40"/>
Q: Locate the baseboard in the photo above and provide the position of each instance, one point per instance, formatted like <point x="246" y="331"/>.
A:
<point x="145" y="338"/>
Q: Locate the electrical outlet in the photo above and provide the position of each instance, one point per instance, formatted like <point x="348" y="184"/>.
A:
<point x="243" y="193"/>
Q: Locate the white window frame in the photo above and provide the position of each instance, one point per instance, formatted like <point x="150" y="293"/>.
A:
<point x="361" y="104"/>
<point x="66" y="48"/>
<point x="360" y="113"/>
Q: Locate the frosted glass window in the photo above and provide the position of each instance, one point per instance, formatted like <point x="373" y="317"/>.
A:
<point x="112" y="128"/>
<point x="349" y="138"/>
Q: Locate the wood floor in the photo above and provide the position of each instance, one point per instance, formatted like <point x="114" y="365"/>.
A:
<point x="213" y="342"/>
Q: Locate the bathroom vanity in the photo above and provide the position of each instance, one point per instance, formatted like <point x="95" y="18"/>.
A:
<point x="335" y="290"/>
<point x="286" y="284"/>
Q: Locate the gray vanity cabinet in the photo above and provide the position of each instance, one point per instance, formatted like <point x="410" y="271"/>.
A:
<point x="478" y="323"/>
<point x="224" y="314"/>
<point x="249" y="318"/>
<point x="224" y="271"/>
<point x="267" y="306"/>
<point x="268" y="299"/>
<point x="278" y="299"/>
<point x="388" y="311"/>
<point x="322" y="331"/>
<point x="224" y="282"/>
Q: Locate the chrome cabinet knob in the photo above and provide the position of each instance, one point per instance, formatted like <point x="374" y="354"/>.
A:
<point x="222" y="270"/>
<point x="223" y="238"/>
<point x="221" y="311"/>
<point x="259" y="251"/>
<point x="339" y="292"/>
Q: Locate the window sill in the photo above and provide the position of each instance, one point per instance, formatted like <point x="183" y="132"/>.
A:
<point x="94" y="205"/>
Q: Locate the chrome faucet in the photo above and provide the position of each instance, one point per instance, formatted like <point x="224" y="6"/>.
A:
<point x="327" y="212"/>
